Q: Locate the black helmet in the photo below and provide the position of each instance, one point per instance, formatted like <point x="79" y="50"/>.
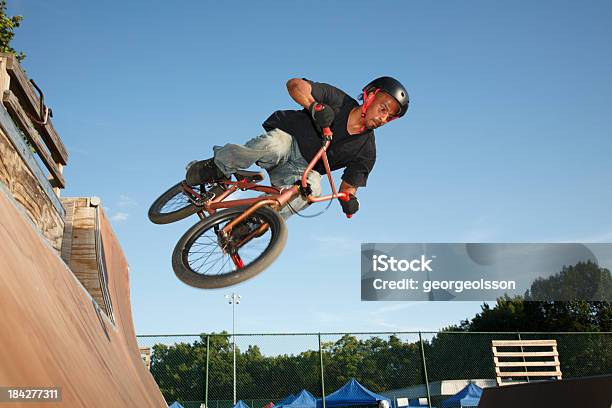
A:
<point x="392" y="87"/>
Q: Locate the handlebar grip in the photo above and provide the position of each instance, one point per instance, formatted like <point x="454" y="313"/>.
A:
<point x="326" y="130"/>
<point x="345" y="197"/>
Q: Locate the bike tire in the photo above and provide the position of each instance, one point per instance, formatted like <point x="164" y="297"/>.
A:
<point x="180" y="255"/>
<point x="158" y="216"/>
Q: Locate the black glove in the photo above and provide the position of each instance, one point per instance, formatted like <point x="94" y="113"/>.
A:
<point x="322" y="118"/>
<point x="351" y="206"/>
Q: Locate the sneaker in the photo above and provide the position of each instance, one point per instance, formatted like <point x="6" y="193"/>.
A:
<point x="204" y="171"/>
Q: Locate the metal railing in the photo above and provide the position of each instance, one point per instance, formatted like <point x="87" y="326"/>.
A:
<point x="196" y="369"/>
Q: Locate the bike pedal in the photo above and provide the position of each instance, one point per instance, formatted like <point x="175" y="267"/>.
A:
<point x="213" y="192"/>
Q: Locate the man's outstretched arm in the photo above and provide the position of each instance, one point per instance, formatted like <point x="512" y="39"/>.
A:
<point x="300" y="91"/>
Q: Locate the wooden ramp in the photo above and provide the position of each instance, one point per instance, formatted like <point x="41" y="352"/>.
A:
<point x="586" y="392"/>
<point x="53" y="333"/>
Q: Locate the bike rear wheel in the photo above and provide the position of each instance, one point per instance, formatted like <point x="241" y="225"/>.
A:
<point x="203" y="258"/>
<point x="171" y="206"/>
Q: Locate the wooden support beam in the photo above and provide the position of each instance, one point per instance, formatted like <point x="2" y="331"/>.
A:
<point x="527" y="364"/>
<point x="22" y="87"/>
<point x="524" y="343"/>
<point x="5" y="78"/>
<point x="556" y="373"/>
<point x="20" y="117"/>
<point x="525" y="353"/>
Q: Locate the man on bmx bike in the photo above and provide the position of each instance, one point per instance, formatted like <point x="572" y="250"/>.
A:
<point x="293" y="138"/>
<point x="229" y="246"/>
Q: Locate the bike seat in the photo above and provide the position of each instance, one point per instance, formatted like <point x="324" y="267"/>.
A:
<point x="250" y="176"/>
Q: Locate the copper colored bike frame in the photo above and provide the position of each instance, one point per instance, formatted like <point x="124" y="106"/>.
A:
<point x="275" y="197"/>
<point x="322" y="154"/>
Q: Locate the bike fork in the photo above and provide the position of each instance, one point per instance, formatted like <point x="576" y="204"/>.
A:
<point x="237" y="260"/>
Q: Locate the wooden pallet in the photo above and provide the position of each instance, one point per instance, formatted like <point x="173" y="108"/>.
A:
<point x="512" y="367"/>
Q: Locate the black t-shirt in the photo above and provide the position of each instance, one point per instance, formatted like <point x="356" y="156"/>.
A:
<point x="355" y="153"/>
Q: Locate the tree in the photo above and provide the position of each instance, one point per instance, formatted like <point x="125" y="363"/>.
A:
<point x="180" y="369"/>
<point x="7" y="27"/>
<point x="378" y="364"/>
<point x="581" y="355"/>
<point x="585" y="279"/>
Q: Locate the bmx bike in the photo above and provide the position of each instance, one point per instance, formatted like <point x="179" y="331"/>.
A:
<point x="235" y="239"/>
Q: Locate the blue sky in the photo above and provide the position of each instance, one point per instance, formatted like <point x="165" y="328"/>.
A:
<point x="508" y="137"/>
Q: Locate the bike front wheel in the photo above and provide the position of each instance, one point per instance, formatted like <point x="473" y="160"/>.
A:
<point x="204" y="258"/>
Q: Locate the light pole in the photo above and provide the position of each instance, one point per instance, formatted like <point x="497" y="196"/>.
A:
<point x="234" y="299"/>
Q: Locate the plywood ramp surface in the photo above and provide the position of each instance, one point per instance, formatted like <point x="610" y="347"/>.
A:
<point x="52" y="334"/>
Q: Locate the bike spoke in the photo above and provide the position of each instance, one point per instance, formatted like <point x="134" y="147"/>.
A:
<point x="207" y="257"/>
<point x="194" y="261"/>
<point x="179" y="201"/>
<point x="216" y="260"/>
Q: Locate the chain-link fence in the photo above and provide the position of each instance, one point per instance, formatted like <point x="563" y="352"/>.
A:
<point x="199" y="369"/>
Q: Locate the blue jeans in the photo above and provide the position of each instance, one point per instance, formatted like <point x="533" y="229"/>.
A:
<point x="278" y="153"/>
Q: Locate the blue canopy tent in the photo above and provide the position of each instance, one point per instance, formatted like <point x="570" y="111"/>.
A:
<point x="353" y="394"/>
<point x="176" y="404"/>
<point x="241" y="404"/>
<point x="303" y="400"/>
<point x="467" y="397"/>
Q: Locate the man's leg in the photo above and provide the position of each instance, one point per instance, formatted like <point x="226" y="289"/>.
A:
<point x="268" y="150"/>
